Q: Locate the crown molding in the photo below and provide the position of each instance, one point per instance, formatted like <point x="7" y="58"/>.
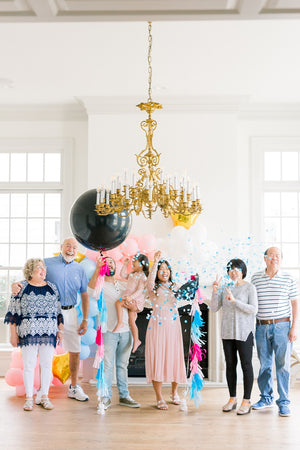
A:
<point x="42" y="112"/>
<point x="176" y="104"/>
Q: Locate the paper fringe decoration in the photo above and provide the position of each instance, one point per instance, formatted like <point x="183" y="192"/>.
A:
<point x="102" y="390"/>
<point x="195" y="381"/>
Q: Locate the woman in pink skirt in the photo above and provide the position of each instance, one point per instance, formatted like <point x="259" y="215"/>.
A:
<point x="164" y="346"/>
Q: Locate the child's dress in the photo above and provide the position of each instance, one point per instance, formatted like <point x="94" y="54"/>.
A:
<point x="164" y="345"/>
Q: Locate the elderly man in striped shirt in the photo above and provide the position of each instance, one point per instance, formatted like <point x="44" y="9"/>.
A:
<point x="276" y="325"/>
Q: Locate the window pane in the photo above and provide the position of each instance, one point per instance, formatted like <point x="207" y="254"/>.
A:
<point x="35" y="166"/>
<point x="35" y="205"/>
<point x="3" y="254"/>
<point x="4" y="230"/>
<point x="290" y="255"/>
<point x="17" y="254"/>
<point x="52" y="205"/>
<point x="272" y="203"/>
<point x="295" y="274"/>
<point x="272" y="166"/>
<point x="18" y="230"/>
<point x="4" y="167"/>
<point x="52" y="166"/>
<point x="52" y="230"/>
<point x="289" y="230"/>
<point x="18" y="167"/>
<point x="35" y="251"/>
<point x="3" y="304"/>
<point x="3" y="280"/>
<point x="15" y="275"/>
<point x="272" y="230"/>
<point x="289" y="203"/>
<point x="4" y="205"/>
<point x="18" y="205"/>
<point x="290" y="166"/>
<point x="51" y="250"/>
<point x="35" y="230"/>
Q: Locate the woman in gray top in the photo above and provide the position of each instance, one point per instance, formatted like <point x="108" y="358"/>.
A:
<point x="239" y="303"/>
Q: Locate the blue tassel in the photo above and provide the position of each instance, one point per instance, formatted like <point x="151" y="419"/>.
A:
<point x="101" y="381"/>
<point x="197" y="385"/>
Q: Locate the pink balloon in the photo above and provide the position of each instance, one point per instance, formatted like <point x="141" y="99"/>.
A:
<point x="16" y="359"/>
<point x="56" y="382"/>
<point x="14" y="377"/>
<point x="20" y="390"/>
<point x="147" y="243"/>
<point x="115" y="254"/>
<point x="129" y="247"/>
<point x="118" y="269"/>
<point x="91" y="254"/>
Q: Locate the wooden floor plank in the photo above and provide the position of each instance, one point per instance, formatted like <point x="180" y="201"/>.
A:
<point x="76" y="425"/>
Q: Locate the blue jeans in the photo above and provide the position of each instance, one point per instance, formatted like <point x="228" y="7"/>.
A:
<point x="269" y="339"/>
<point x="117" y="349"/>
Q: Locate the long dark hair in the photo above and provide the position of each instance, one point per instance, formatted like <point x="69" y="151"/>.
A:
<point x="157" y="282"/>
<point x="144" y="261"/>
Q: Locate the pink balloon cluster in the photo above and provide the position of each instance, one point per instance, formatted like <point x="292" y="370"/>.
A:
<point x="14" y="375"/>
<point x="145" y="244"/>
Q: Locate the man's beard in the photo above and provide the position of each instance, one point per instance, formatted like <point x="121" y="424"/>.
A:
<point x="68" y="258"/>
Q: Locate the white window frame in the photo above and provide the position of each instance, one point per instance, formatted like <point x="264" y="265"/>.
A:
<point x="48" y="145"/>
<point x="258" y="147"/>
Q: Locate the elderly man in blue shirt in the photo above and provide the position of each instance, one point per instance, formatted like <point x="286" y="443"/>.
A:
<point x="69" y="277"/>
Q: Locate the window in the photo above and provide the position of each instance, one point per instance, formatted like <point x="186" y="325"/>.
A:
<point x="276" y="196"/>
<point x="32" y="191"/>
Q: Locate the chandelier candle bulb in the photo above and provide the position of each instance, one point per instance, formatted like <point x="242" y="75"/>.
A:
<point x="150" y="192"/>
<point x="98" y="196"/>
<point x="107" y="197"/>
<point x="161" y="180"/>
<point x="127" y="192"/>
<point x="133" y="179"/>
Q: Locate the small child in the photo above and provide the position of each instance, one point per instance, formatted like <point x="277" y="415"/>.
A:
<point x="133" y="298"/>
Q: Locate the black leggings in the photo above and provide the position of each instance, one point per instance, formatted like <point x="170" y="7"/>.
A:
<point x="244" y="348"/>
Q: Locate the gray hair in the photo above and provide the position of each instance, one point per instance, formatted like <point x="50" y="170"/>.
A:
<point x="30" y="267"/>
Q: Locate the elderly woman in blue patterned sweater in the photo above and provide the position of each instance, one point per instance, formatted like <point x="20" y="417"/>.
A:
<point x="36" y="324"/>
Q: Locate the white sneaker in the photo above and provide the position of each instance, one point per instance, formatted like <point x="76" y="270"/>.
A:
<point x="77" y="393"/>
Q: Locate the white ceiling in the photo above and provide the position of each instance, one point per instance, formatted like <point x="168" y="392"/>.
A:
<point x="120" y="10"/>
<point x="58" y="51"/>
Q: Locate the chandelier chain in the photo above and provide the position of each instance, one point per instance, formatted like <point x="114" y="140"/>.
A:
<point x="149" y="62"/>
<point x="150" y="188"/>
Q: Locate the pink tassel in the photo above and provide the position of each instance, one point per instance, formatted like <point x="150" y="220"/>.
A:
<point x="104" y="270"/>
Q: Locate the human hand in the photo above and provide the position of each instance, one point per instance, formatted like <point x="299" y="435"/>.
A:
<point x="100" y="261"/>
<point x="229" y="295"/>
<point x="82" y="328"/>
<point x="130" y="303"/>
<point x="59" y="337"/>
<point x="217" y="284"/>
<point x="157" y="256"/>
<point x="292" y="334"/>
<point x="15" y="288"/>
<point x="14" y="339"/>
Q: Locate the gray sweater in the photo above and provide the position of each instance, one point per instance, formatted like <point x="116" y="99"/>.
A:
<point x="238" y="317"/>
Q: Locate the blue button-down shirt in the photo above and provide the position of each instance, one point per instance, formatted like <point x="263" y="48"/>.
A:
<point x="68" y="277"/>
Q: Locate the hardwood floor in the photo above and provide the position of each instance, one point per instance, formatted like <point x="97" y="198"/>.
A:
<point x="75" y="425"/>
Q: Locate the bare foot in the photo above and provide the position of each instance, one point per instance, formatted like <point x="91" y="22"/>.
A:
<point x="136" y="345"/>
<point x="117" y="327"/>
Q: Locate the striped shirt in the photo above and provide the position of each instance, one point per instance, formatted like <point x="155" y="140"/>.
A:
<point x="274" y="294"/>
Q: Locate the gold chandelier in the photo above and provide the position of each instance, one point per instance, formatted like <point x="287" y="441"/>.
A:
<point x="153" y="189"/>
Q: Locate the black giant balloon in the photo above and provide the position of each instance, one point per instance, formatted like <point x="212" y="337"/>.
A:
<point x="97" y="232"/>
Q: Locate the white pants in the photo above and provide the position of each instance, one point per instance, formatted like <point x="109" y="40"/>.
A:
<point x="29" y="355"/>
